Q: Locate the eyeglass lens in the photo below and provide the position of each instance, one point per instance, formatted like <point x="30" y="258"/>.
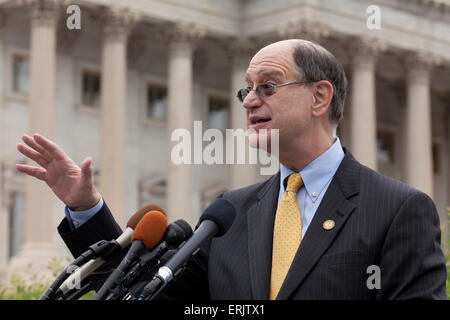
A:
<point x="263" y="90"/>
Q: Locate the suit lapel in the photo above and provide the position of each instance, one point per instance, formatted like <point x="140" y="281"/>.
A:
<point x="260" y="229"/>
<point x="334" y="206"/>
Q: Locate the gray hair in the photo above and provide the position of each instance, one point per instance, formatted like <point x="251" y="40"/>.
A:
<point x="315" y="63"/>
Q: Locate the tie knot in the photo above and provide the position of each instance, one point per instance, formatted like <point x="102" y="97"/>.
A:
<point x="294" y="182"/>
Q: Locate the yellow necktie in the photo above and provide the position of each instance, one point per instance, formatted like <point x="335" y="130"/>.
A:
<point x="287" y="234"/>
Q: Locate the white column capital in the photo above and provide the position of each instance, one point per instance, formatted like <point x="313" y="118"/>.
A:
<point x="304" y="29"/>
<point x="181" y="49"/>
<point x="43" y="12"/>
<point x="182" y="37"/>
<point x="366" y="50"/>
<point x="240" y="50"/>
<point x="419" y="64"/>
<point x="117" y="22"/>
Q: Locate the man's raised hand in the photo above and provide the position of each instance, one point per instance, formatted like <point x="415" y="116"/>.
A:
<point x="72" y="184"/>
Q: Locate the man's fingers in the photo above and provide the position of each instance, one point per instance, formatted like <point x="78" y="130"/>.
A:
<point x="38" y="173"/>
<point x="54" y="150"/>
<point x="33" y="144"/>
<point x="33" y="155"/>
<point x="86" y="167"/>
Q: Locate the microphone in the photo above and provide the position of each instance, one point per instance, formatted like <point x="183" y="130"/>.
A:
<point x="95" y="250"/>
<point x="149" y="231"/>
<point x="102" y="255"/>
<point x="214" y="222"/>
<point x="177" y="233"/>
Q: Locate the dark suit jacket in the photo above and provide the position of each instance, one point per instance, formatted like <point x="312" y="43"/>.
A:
<point x="378" y="221"/>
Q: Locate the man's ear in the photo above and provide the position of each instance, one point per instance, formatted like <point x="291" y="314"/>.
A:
<point x="323" y="93"/>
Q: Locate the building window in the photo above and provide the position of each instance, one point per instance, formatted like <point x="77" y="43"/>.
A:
<point x="16" y="223"/>
<point x="436" y="157"/>
<point x="385" y="146"/>
<point x="218" y="113"/>
<point x="156" y="101"/>
<point x="91" y="89"/>
<point x="21" y="74"/>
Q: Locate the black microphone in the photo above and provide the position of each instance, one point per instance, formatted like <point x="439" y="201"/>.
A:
<point x="176" y="233"/>
<point x="99" y="249"/>
<point x="214" y="222"/>
<point x="98" y="254"/>
<point x="149" y="231"/>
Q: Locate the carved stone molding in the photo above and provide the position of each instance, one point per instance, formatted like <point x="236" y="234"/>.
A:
<point x="243" y="47"/>
<point x="419" y="64"/>
<point x="117" y="22"/>
<point x="365" y="51"/>
<point x="182" y="37"/>
<point x="184" y="32"/>
<point x="240" y="49"/>
<point x="43" y="12"/>
<point x="304" y="29"/>
<point x="433" y="9"/>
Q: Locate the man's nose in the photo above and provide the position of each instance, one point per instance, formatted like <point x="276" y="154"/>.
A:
<point x="252" y="100"/>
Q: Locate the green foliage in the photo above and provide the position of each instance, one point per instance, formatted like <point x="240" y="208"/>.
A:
<point x="33" y="286"/>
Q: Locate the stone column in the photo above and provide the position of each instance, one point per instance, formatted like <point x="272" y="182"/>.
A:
<point x="363" y="101"/>
<point x="419" y="172"/>
<point x="240" y="51"/>
<point x="38" y="245"/>
<point x="182" y="39"/>
<point x="116" y="24"/>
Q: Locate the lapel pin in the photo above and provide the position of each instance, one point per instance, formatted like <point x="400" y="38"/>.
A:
<point x="328" y="224"/>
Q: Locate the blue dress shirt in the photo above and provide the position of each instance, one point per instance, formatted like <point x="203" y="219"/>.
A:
<point x="77" y="218"/>
<point x="316" y="177"/>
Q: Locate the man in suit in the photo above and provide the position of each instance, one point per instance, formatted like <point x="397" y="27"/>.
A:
<point x="324" y="227"/>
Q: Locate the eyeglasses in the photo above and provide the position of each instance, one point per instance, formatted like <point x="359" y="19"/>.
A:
<point x="265" y="90"/>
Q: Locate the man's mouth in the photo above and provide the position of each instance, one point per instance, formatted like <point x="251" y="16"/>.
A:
<point x="258" y="122"/>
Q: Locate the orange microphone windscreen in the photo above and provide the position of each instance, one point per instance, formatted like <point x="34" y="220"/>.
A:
<point x="135" y="218"/>
<point x="150" y="229"/>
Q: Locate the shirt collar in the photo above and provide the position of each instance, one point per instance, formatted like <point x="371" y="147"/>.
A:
<point x="318" y="172"/>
